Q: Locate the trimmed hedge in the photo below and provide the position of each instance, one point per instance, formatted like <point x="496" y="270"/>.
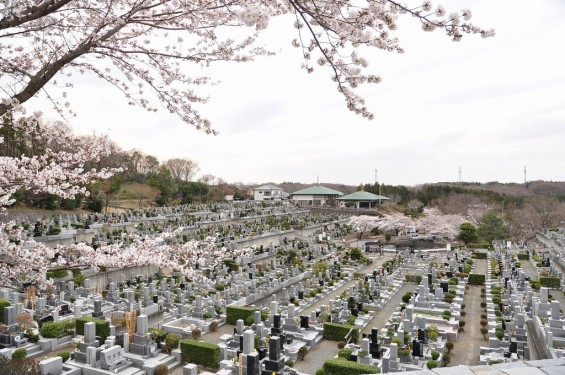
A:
<point x="343" y="367"/>
<point x="523" y="256"/>
<point x="235" y="313"/>
<point x="476" y="279"/>
<point x="337" y="332"/>
<point x="102" y="327"/>
<point x="416" y="279"/>
<point x="200" y="353"/>
<point x="480" y="255"/>
<point x="51" y="330"/>
<point x="551" y="282"/>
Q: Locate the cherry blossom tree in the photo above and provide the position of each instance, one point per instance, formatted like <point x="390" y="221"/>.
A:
<point x="27" y="260"/>
<point x="59" y="167"/>
<point x="395" y="222"/>
<point x="141" y="47"/>
<point x="439" y="225"/>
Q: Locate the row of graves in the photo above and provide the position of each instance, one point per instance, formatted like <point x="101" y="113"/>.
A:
<point x="419" y="330"/>
<point x="510" y="301"/>
<point x="112" y="225"/>
<point x="523" y="323"/>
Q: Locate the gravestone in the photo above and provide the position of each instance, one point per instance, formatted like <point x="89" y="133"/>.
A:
<point x="275" y="363"/>
<point x="113" y="359"/>
<point x="142" y="343"/>
<point x="97" y="313"/>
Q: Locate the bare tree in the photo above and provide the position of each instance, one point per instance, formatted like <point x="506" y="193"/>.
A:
<point x="547" y="211"/>
<point x="182" y="169"/>
<point x="208" y="179"/>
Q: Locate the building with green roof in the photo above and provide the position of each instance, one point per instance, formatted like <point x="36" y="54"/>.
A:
<point x="316" y="195"/>
<point x="362" y="199"/>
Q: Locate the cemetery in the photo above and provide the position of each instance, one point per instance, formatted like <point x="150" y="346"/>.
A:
<point x="262" y="308"/>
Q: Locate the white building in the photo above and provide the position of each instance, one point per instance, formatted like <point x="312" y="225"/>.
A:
<point x="269" y="192"/>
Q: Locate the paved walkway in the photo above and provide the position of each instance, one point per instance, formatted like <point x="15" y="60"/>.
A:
<point x="381" y="317"/>
<point x="466" y="350"/>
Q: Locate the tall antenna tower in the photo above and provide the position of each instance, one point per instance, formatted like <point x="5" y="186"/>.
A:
<point x="459" y="174"/>
<point x="525" y="178"/>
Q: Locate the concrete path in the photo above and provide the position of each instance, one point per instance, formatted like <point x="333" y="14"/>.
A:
<point x="381" y="317"/>
<point x="466" y="350"/>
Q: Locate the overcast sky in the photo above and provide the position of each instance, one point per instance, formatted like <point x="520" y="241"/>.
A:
<point x="489" y="106"/>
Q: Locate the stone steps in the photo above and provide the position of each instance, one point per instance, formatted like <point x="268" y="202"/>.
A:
<point x="34" y="350"/>
<point x="162" y="358"/>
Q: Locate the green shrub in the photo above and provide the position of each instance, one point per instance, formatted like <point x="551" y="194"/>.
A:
<point x="234" y="313"/>
<point x="159" y="335"/>
<point x="200" y="353"/>
<point x="406" y="297"/>
<point x="351" y="320"/>
<point x="341" y="344"/>
<point x="337" y="332"/>
<point x="550" y="282"/>
<point x="320" y="371"/>
<point x="172" y="341"/>
<point x="32" y="337"/>
<point x="102" y="327"/>
<point x="435" y="355"/>
<point x="431" y="364"/>
<point x="20" y="353"/>
<point x="196" y="333"/>
<point x="345" y="354"/>
<point x="476" y="279"/>
<point x="51" y="330"/>
<point x="3" y="303"/>
<point x="480" y="255"/>
<point x="161" y="369"/>
<point x="416" y="279"/>
<point x="523" y="256"/>
<point x="214" y="325"/>
<point x="64" y="355"/>
<point x="289" y="363"/>
<point x="341" y="367"/>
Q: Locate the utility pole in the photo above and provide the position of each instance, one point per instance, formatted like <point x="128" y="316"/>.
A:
<point x="525" y="178"/>
<point x="460" y="174"/>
